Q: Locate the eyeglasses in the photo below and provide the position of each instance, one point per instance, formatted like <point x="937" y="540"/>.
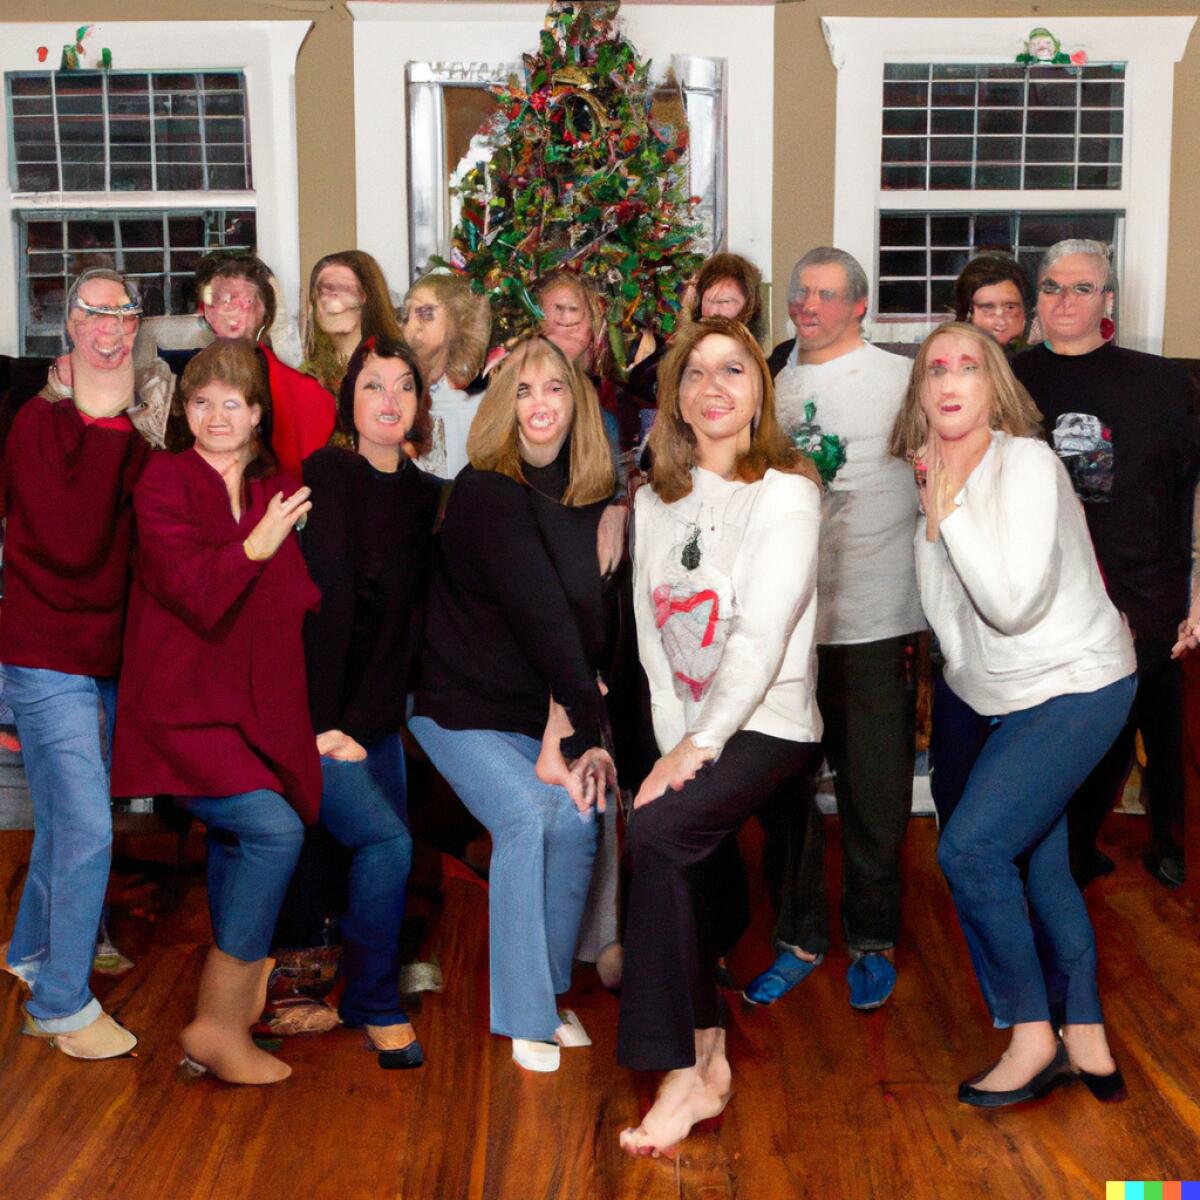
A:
<point x="802" y="295"/>
<point x="424" y="313"/>
<point x="1084" y="290"/>
<point x="127" y="315"/>
<point x="1009" y="309"/>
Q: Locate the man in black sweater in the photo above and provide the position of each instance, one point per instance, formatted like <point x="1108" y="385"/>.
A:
<point x="1121" y="423"/>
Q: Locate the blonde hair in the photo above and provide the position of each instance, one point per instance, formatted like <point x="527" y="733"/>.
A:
<point x="470" y="323"/>
<point x="493" y="444"/>
<point x="1012" y="408"/>
<point x="672" y="442"/>
<point x="591" y="303"/>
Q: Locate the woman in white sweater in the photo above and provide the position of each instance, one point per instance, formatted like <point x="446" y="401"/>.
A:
<point x="725" y="559"/>
<point x="1041" y="672"/>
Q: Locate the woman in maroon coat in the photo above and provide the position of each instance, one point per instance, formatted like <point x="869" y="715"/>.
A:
<point x="213" y="689"/>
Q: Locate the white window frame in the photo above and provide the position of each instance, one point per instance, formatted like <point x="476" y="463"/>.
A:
<point x="388" y="35"/>
<point x="1149" y="46"/>
<point x="265" y="51"/>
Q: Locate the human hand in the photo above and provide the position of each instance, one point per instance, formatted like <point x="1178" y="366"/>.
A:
<point x="673" y="770"/>
<point x="341" y="747"/>
<point x="646" y="347"/>
<point x="591" y="777"/>
<point x="934" y="485"/>
<point x="1188" y="637"/>
<point x="277" y="522"/>
<point x="62" y="371"/>
<point x="610" y="537"/>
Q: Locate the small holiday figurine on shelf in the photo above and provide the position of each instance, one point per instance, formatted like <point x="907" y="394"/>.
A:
<point x="1042" y="48"/>
<point x="85" y="53"/>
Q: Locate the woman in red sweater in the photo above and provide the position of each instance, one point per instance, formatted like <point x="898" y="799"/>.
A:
<point x="213" y="690"/>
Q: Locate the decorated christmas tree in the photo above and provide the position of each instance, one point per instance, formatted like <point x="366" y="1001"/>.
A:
<point x="581" y="177"/>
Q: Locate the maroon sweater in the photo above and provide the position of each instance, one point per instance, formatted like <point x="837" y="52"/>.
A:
<point x="213" y="698"/>
<point x="67" y="490"/>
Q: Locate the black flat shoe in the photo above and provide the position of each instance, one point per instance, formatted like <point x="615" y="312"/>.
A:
<point x="1057" y="1071"/>
<point x="1106" y="1088"/>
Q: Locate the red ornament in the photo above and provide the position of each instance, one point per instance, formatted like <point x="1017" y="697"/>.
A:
<point x="1107" y="328"/>
<point x="42" y="52"/>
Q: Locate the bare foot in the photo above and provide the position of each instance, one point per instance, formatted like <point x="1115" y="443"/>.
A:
<point x="1031" y="1050"/>
<point x="685" y="1098"/>
<point x="231" y="1055"/>
<point x="1087" y="1049"/>
<point x="551" y="767"/>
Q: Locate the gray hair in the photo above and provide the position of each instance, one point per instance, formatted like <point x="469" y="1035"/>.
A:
<point x="823" y="256"/>
<point x="1088" y="246"/>
<point x="131" y="290"/>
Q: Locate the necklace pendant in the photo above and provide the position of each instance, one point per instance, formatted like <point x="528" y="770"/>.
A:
<point x="690" y="557"/>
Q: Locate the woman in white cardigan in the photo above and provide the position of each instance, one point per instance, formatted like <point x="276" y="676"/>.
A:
<point x="724" y="594"/>
<point x="1040" y="670"/>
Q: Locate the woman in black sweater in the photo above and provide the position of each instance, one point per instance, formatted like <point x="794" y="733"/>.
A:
<point x="516" y="616"/>
<point x="367" y="549"/>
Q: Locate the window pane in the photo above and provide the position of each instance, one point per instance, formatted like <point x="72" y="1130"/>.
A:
<point x="142" y="232"/>
<point x="948" y="149"/>
<point x="1001" y="95"/>
<point x="958" y="95"/>
<point x="1103" y="95"/>
<point x="1049" y="177"/>
<point x="1100" y="150"/>
<point x="905" y="149"/>
<point x="903" y="178"/>
<point x="1099" y="177"/>
<point x="905" y="95"/>
<point x="949" y="230"/>
<point x="947" y="262"/>
<point x="1056" y="150"/>
<point x="1101" y="120"/>
<point x="993" y="177"/>
<point x="1051" y="120"/>
<point x="131" y="177"/>
<point x="999" y="149"/>
<point x="953" y="120"/>
<point x="905" y="120"/>
<point x="955" y="178"/>
<point x="902" y="298"/>
<point x="941" y="295"/>
<point x="902" y="231"/>
<point x="902" y="262"/>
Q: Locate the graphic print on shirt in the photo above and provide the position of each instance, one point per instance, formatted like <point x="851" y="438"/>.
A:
<point x="1085" y="445"/>
<point x="694" y="632"/>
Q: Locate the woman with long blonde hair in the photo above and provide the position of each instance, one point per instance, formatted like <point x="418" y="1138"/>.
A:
<point x="725" y="565"/>
<point x="517" y="617"/>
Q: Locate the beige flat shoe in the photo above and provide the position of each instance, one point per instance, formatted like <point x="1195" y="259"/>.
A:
<point x="103" y="1038"/>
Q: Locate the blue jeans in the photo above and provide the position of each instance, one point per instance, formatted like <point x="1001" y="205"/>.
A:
<point x="542" y="852"/>
<point x="1004" y="854"/>
<point x="365" y="806"/>
<point x="65" y="748"/>
<point x="254" y="839"/>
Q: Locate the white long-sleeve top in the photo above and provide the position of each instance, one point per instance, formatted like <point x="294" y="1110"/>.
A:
<point x="1012" y="589"/>
<point x="728" y="645"/>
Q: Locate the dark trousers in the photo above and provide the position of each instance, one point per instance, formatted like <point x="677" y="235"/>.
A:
<point x="671" y="945"/>
<point x="1157" y="714"/>
<point x="867" y="697"/>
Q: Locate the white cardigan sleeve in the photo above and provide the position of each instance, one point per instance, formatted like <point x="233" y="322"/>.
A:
<point x="775" y="576"/>
<point x="1003" y="540"/>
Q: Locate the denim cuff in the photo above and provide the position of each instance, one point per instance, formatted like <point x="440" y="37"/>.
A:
<point x="90" y="1012"/>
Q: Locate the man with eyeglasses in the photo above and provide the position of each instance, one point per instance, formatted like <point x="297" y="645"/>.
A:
<point x="66" y="489"/>
<point x="1120" y="421"/>
<point x="838" y="396"/>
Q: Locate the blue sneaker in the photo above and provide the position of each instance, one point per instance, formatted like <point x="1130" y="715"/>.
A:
<point x="780" y="978"/>
<point x="871" y="980"/>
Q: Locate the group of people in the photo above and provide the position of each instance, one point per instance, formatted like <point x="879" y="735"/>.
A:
<point x="249" y="582"/>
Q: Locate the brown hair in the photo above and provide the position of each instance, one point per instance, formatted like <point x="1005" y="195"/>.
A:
<point x="986" y="270"/>
<point x="421" y="433"/>
<point x="493" y="445"/>
<point x="738" y="270"/>
<point x="471" y="322"/>
<point x="238" y="364"/>
<point x="593" y="306"/>
<point x="378" y="316"/>
<point x="672" y="441"/>
<point x="239" y="266"/>
<point x="1012" y="407"/>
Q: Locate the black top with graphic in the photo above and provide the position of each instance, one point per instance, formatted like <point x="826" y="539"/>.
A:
<point x="1123" y="425"/>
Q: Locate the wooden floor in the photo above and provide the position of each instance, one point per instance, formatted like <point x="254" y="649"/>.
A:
<point x="828" y="1103"/>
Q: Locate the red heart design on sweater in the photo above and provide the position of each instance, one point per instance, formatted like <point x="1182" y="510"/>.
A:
<point x="684" y="654"/>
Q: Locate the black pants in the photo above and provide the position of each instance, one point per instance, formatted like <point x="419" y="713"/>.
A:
<point x="1158" y="714"/>
<point x="867" y="696"/>
<point x="671" y="946"/>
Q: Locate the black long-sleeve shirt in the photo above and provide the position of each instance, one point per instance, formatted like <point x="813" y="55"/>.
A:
<point x="515" y="608"/>
<point x="1120" y="422"/>
<point x="367" y="545"/>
